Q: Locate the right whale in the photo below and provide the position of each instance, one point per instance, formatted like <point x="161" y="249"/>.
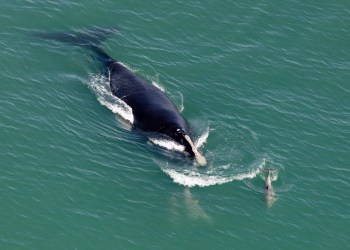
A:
<point x="152" y="109"/>
<point x="270" y="193"/>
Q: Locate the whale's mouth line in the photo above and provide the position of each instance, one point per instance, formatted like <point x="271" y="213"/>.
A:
<point x="199" y="157"/>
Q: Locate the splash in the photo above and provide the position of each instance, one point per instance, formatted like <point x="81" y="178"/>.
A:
<point x="100" y="87"/>
<point x="191" y="177"/>
<point x="172" y="145"/>
<point x="268" y="164"/>
<point x="167" y="144"/>
<point x="202" y="139"/>
<point x="274" y="176"/>
<point x="157" y="85"/>
<point x="178" y="99"/>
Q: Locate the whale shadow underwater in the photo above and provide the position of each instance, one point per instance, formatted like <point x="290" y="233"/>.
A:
<point x="152" y="109"/>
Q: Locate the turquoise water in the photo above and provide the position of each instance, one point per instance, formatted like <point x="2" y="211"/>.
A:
<point x="264" y="84"/>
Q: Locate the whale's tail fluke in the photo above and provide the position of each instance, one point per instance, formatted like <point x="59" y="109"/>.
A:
<point x="89" y="39"/>
<point x="101" y="56"/>
<point x="79" y="37"/>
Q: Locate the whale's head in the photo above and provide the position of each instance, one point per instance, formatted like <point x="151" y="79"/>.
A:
<point x="182" y="137"/>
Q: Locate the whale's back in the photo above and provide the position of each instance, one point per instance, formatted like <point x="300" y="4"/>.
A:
<point x="152" y="108"/>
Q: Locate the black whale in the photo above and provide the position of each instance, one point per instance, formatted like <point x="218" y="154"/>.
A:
<point x="152" y="109"/>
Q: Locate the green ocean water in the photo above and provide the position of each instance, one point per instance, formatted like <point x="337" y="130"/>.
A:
<point x="264" y="84"/>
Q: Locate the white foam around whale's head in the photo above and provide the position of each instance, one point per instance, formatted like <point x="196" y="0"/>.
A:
<point x="167" y="144"/>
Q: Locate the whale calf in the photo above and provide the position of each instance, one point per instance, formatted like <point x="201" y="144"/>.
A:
<point x="152" y="109"/>
<point x="270" y="193"/>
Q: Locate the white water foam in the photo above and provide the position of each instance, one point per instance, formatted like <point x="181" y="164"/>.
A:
<point x="174" y="146"/>
<point x="167" y="144"/>
<point x="158" y="86"/>
<point x="191" y="178"/>
<point x="268" y="164"/>
<point x="126" y="66"/>
<point x="178" y="99"/>
<point x="274" y="176"/>
<point x="100" y="87"/>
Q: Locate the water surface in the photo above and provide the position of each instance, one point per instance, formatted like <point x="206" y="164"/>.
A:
<point x="263" y="84"/>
